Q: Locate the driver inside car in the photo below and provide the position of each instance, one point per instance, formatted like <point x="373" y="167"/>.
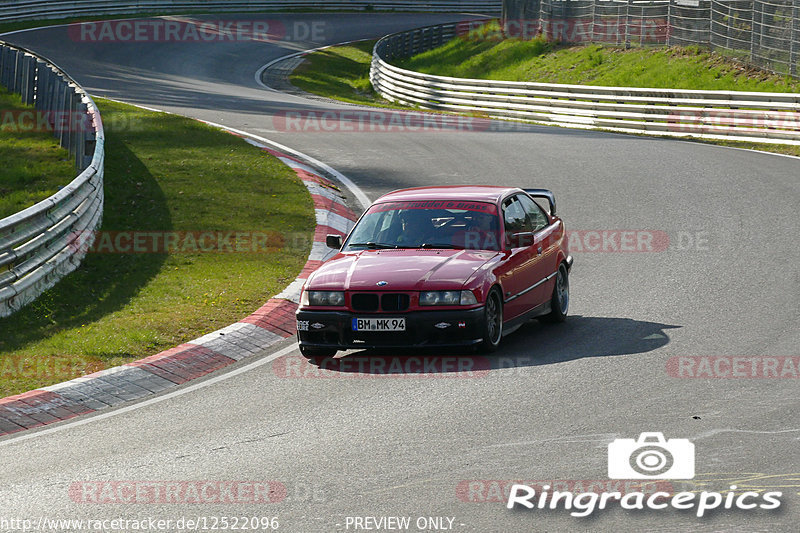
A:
<point x="417" y="229"/>
<point x="479" y="233"/>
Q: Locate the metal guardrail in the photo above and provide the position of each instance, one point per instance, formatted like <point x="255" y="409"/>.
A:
<point x="43" y="243"/>
<point x="14" y="10"/>
<point x="731" y="115"/>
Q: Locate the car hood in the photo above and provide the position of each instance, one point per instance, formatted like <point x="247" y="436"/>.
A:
<point x="403" y="270"/>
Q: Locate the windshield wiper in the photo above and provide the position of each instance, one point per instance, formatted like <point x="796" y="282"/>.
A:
<point x="441" y="246"/>
<point x="375" y="245"/>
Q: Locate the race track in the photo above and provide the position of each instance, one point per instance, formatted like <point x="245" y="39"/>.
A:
<point x="728" y="284"/>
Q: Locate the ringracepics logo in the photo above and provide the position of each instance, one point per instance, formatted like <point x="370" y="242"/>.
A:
<point x="648" y="457"/>
<point x="651" y="457"/>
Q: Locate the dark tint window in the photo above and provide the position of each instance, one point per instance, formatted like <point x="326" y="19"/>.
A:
<point x="428" y="223"/>
<point x="536" y="215"/>
<point x="514" y="216"/>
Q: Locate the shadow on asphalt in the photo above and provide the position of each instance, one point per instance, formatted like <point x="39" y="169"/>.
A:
<point x="533" y="344"/>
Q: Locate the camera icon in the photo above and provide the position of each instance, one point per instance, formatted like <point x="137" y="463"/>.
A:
<point x="651" y="457"/>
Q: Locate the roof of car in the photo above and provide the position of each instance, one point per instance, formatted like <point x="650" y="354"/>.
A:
<point x="475" y="193"/>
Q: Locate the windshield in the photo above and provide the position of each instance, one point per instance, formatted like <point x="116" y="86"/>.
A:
<point x="427" y="224"/>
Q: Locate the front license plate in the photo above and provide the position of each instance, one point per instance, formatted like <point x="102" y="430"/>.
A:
<point x="379" y="324"/>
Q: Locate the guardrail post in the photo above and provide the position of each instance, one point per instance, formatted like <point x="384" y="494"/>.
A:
<point x="728" y="26"/>
<point x="755" y="35"/>
<point x="669" y="22"/>
<point x="9" y="60"/>
<point x="627" y="24"/>
<point x="9" y="63"/>
<point x="71" y="109"/>
<point x="16" y="84"/>
<point x="794" y="44"/>
<point x="43" y="85"/>
<point x="3" y="51"/>
<point x="89" y="143"/>
<point x="79" y="124"/>
<point x="641" y="26"/>
<point x="59" y="99"/>
<point x="22" y="74"/>
<point x="29" y="80"/>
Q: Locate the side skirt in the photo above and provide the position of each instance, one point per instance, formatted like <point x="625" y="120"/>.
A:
<point x="515" y="323"/>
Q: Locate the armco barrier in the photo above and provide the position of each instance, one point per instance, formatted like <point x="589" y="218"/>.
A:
<point x="37" y="246"/>
<point x="732" y="115"/>
<point x="13" y="10"/>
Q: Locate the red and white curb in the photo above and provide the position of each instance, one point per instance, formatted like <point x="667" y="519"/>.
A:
<point x="270" y="324"/>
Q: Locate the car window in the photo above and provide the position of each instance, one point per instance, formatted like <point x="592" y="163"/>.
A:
<point x="428" y="223"/>
<point x="514" y="216"/>
<point x="536" y="215"/>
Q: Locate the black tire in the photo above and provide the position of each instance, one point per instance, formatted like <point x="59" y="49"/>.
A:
<point x="559" y="303"/>
<point x="312" y="352"/>
<point x="492" y="322"/>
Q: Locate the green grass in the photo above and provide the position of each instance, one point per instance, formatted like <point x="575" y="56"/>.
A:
<point x="536" y="60"/>
<point x="340" y="72"/>
<point x="163" y="173"/>
<point x="34" y="166"/>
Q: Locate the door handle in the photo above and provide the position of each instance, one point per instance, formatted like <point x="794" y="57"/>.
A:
<point x="539" y="250"/>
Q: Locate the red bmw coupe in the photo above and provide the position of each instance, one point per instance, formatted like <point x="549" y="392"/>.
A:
<point x="439" y="266"/>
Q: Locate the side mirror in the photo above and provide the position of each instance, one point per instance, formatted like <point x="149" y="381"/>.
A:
<point x="521" y="239"/>
<point x="334" y="241"/>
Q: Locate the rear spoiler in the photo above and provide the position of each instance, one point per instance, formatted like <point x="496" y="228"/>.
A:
<point x="544" y="193"/>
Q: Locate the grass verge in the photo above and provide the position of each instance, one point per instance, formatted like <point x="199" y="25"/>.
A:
<point x="172" y="174"/>
<point x="536" y="60"/>
<point x="691" y="68"/>
<point x="34" y="165"/>
<point x="341" y="73"/>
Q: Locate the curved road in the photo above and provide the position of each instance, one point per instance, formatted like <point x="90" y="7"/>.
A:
<point x="727" y="285"/>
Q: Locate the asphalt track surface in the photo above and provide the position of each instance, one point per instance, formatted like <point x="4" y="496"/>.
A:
<point x="555" y="395"/>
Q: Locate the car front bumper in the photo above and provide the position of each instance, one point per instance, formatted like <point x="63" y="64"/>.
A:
<point x="333" y="329"/>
